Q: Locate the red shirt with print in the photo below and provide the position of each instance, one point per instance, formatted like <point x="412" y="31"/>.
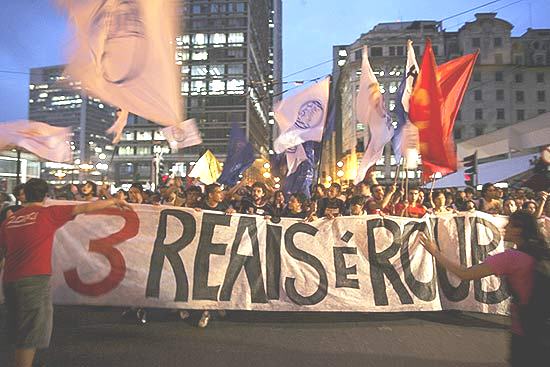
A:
<point x="417" y="211"/>
<point x="27" y="239"/>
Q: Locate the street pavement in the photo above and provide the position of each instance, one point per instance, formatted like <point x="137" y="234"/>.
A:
<point x="94" y="336"/>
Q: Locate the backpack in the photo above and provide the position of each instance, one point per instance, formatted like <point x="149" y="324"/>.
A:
<point x="535" y="315"/>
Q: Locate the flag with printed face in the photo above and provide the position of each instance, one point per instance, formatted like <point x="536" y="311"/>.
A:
<point x="182" y="135"/>
<point x="124" y="55"/>
<point x="371" y="111"/>
<point x="294" y="156"/>
<point x="207" y="169"/>
<point x="240" y="156"/>
<point x="46" y="141"/>
<point x="302" y="178"/>
<point x="302" y="116"/>
<point x="402" y="146"/>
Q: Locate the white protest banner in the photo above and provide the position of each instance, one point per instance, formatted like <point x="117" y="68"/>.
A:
<point x="168" y="257"/>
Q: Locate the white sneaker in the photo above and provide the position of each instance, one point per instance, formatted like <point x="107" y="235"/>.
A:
<point x="203" y="322"/>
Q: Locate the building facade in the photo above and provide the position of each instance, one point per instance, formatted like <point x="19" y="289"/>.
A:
<point x="507" y="85"/>
<point x="230" y="58"/>
<point x="60" y="101"/>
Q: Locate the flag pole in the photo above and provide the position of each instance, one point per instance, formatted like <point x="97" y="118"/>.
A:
<point x="323" y="136"/>
<point x="18" y="169"/>
<point x="397" y="171"/>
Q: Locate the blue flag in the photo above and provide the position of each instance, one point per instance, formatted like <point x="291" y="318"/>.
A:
<point x="396" y="141"/>
<point x="240" y="156"/>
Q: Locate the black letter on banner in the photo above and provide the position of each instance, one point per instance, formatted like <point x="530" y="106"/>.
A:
<point x="273" y="261"/>
<point x="201" y="290"/>
<point x="424" y="291"/>
<point x="460" y="292"/>
<point x="170" y="251"/>
<point x="380" y="264"/>
<point x="342" y="272"/>
<point x="251" y="264"/>
<point x="479" y="254"/>
<point x="309" y="259"/>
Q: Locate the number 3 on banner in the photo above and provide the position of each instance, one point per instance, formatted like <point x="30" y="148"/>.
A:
<point x="106" y="247"/>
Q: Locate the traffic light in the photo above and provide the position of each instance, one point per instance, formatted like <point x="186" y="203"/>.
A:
<point x="470" y="171"/>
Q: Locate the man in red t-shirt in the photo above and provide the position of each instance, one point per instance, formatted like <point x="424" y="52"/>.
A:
<point x="26" y="240"/>
<point x="412" y="207"/>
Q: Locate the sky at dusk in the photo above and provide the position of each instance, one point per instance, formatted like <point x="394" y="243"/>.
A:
<point x="34" y="33"/>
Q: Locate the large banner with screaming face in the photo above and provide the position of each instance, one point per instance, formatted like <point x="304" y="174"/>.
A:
<point x="167" y="257"/>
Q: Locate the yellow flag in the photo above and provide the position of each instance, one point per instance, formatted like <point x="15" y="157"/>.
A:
<point x="207" y="169"/>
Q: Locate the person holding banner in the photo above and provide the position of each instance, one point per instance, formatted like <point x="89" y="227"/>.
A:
<point x="258" y="203"/>
<point x="518" y="266"/>
<point x="331" y="206"/>
<point x="296" y="207"/>
<point x="26" y="241"/>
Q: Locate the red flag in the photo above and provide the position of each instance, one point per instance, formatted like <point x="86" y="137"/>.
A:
<point x="434" y="105"/>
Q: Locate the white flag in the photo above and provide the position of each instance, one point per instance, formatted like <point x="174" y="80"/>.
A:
<point x="118" y="126"/>
<point x="411" y="70"/>
<point x="125" y="55"/>
<point x="183" y="135"/>
<point x="46" y="141"/>
<point x="294" y="156"/>
<point x="302" y="116"/>
<point x="371" y="111"/>
<point x="409" y="140"/>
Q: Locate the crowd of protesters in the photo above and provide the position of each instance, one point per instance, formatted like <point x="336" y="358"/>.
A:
<point x="257" y="198"/>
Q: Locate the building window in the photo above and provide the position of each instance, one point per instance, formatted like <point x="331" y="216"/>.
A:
<point x="235" y="85"/>
<point x="459" y="116"/>
<point x="235" y="69"/>
<point x="358" y="55"/>
<point x="376" y="51"/>
<point x="436" y="50"/>
<point x="520" y="115"/>
<point x="497" y="42"/>
<point x="216" y="87"/>
<point x="158" y="135"/>
<point x="540" y="77"/>
<point x="477" y="76"/>
<point x="126" y="169"/>
<point x="500" y="94"/>
<point x="539" y="60"/>
<point x="499" y="76"/>
<point x="541" y="96"/>
<point x="236" y="37"/>
<point x="144" y="135"/>
<point x="518" y="59"/>
<point x="500" y="113"/>
<point x="417" y="51"/>
<point x="126" y="150"/>
<point x="476" y="42"/>
<point x="392" y="104"/>
<point x="199" y="55"/>
<point x="199" y="39"/>
<point x="518" y="78"/>
<point x="128" y="135"/>
<point x="198" y="70"/>
<point x="498" y="59"/>
<point x="520" y="96"/>
<point x="218" y="39"/>
<point x="479" y="130"/>
<point x="143" y="150"/>
<point x="477" y="95"/>
<point x="457" y="133"/>
<point x="479" y="114"/>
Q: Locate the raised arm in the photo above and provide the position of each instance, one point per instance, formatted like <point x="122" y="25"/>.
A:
<point x="100" y="205"/>
<point x="463" y="272"/>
